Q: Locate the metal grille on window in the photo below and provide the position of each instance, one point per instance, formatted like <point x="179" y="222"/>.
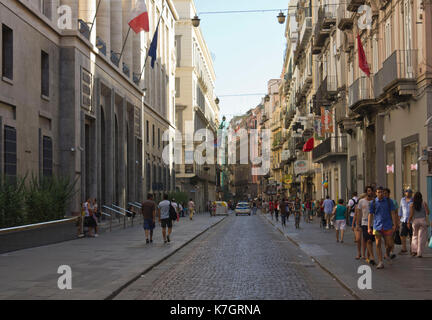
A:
<point x="47" y="157"/>
<point x="10" y="150"/>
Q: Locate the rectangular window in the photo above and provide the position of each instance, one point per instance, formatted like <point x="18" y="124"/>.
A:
<point x="10" y="152"/>
<point x="147" y="132"/>
<point x="153" y="135"/>
<point x="390" y="168"/>
<point x="387" y="38"/>
<point x="159" y="138"/>
<point x="47" y="163"/>
<point x="410" y="167"/>
<point x="7" y="52"/>
<point x="177" y="87"/>
<point x="353" y="174"/>
<point x="45" y="74"/>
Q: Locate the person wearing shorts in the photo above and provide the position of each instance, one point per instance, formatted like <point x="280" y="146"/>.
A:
<point x="362" y="214"/>
<point x="164" y="218"/>
<point x="148" y="209"/>
<point x="328" y="209"/>
<point x="339" y="213"/>
<point x="382" y="214"/>
<point x="404" y="212"/>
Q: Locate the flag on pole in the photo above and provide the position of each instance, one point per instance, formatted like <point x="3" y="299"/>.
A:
<point x="309" y="145"/>
<point x="139" y="17"/>
<point x="362" y="57"/>
<point x="153" y="48"/>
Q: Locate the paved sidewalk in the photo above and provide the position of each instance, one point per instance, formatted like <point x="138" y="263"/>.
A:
<point x="100" y="266"/>
<point x="404" y="278"/>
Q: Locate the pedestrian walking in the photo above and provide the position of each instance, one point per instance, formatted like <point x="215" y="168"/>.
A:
<point x="191" y="208"/>
<point x="404" y="213"/>
<point x="254" y="208"/>
<point x="276" y="209"/>
<point x="297" y="212"/>
<point x="271" y="208"/>
<point x="89" y="221"/>
<point x="96" y="215"/>
<point x="382" y="224"/>
<point x="356" y="228"/>
<point x="339" y="214"/>
<point x="148" y="210"/>
<point x="352" y="203"/>
<point x="283" y="211"/>
<point x="387" y="193"/>
<point x="418" y="222"/>
<point x="328" y="205"/>
<point x="361" y="217"/>
<point x="164" y="218"/>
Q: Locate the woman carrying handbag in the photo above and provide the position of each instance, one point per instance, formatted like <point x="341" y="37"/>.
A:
<point x="417" y="221"/>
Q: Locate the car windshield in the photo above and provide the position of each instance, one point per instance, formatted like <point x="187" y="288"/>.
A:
<point x="242" y="205"/>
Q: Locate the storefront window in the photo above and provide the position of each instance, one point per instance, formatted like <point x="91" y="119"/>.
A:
<point x="390" y="168"/>
<point x="410" y="166"/>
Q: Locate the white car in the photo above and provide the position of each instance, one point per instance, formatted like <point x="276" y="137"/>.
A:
<point x="242" y="208"/>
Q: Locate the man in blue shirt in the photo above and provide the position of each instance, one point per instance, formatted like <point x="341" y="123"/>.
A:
<point x="382" y="214"/>
<point x="328" y="210"/>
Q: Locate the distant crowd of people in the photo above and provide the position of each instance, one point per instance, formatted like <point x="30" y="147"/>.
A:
<point x="374" y="217"/>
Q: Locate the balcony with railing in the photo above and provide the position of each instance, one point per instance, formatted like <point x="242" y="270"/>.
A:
<point x="353" y="5"/>
<point x="359" y="93"/>
<point x="344" y="18"/>
<point x="326" y="19"/>
<point x="398" y="74"/>
<point x="325" y="94"/>
<point x="305" y="33"/>
<point x="101" y="45"/>
<point x="330" y="149"/>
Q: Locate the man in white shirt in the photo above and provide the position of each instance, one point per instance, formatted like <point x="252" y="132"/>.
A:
<point x="362" y="213"/>
<point x="164" y="218"/>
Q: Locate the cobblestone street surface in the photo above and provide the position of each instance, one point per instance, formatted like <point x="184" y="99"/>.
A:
<point x="243" y="257"/>
<point x="403" y="278"/>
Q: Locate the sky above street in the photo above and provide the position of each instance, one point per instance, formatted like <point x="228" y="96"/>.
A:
<point x="248" y="49"/>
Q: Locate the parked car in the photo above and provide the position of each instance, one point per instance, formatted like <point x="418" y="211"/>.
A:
<point x="243" y="208"/>
<point x="221" y="208"/>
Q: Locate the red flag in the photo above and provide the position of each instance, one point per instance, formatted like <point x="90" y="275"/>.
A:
<point x="309" y="145"/>
<point x="139" y="17"/>
<point x="363" y="65"/>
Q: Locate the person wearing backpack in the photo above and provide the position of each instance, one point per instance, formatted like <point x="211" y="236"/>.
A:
<point x="382" y="224"/>
<point x="352" y="204"/>
<point x="165" y="213"/>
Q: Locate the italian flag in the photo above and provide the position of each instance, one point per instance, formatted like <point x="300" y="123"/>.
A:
<point x="139" y="17"/>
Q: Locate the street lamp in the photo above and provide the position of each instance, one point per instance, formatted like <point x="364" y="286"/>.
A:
<point x="281" y="18"/>
<point x="196" y="21"/>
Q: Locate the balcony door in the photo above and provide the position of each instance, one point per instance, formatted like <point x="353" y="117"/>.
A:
<point x="407" y="16"/>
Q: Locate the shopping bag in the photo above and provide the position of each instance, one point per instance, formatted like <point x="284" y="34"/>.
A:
<point x="397" y="238"/>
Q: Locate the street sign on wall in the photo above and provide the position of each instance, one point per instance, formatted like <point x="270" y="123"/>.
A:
<point x="300" y="166"/>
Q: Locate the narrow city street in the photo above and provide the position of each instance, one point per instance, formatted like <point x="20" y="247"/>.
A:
<point x="243" y="257"/>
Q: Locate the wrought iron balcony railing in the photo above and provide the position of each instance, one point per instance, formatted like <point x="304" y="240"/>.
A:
<point x="399" y="71"/>
<point x="330" y="147"/>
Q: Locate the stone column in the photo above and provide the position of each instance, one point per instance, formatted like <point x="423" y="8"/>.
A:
<point x="127" y="52"/>
<point x="103" y="22"/>
<point x="86" y="12"/>
<point x="73" y="4"/>
<point x="121" y="116"/>
<point x="116" y="40"/>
